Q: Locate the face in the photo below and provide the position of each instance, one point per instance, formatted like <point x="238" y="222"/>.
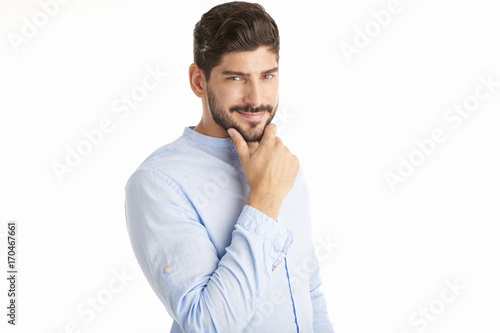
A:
<point x="242" y="92"/>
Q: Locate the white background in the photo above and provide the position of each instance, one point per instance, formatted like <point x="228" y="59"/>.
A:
<point x="349" y="122"/>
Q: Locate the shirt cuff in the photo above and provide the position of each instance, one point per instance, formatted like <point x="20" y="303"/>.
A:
<point x="261" y="224"/>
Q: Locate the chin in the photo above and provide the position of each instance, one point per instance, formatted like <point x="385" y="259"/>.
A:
<point x="253" y="134"/>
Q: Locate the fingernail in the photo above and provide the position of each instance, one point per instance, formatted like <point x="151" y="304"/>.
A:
<point x="230" y="132"/>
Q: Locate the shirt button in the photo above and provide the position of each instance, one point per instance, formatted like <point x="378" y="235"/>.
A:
<point x="167" y="269"/>
<point x="293" y="290"/>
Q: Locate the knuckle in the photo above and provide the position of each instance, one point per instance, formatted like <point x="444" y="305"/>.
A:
<point x="277" y="144"/>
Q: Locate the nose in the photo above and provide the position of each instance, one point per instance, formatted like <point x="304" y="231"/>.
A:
<point x="253" y="94"/>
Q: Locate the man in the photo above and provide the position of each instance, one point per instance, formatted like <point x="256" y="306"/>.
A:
<point x="220" y="226"/>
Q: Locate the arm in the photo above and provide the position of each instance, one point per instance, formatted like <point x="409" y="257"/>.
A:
<point x="200" y="292"/>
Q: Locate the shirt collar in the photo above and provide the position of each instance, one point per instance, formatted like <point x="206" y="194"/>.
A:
<point x="208" y="140"/>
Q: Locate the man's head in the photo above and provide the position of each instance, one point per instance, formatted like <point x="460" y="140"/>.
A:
<point x="235" y="70"/>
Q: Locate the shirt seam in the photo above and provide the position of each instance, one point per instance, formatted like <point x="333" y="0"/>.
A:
<point x="172" y="184"/>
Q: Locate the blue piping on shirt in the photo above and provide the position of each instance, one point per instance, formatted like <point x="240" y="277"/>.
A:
<point x="291" y="296"/>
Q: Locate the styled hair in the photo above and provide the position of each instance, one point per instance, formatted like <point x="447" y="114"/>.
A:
<point x="230" y="27"/>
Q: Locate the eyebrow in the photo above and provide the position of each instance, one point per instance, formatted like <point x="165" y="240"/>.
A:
<point x="269" y="71"/>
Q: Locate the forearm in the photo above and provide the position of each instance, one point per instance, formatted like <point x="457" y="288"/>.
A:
<point x="228" y="297"/>
<point x="265" y="201"/>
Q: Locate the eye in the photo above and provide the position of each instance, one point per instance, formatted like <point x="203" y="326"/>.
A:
<point x="234" y="78"/>
<point x="268" y="76"/>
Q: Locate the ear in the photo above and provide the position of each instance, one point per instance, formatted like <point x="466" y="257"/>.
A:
<point x="197" y="80"/>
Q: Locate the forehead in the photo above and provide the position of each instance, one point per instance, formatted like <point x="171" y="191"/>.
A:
<point x="250" y="62"/>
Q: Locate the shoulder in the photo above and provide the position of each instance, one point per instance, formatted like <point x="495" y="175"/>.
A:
<point x="169" y="159"/>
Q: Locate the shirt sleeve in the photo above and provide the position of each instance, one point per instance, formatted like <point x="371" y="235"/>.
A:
<point x="321" y="322"/>
<point x="200" y="292"/>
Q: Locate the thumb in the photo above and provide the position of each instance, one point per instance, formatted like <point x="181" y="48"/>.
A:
<point x="240" y="144"/>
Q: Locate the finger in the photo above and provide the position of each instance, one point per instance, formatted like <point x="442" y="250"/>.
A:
<point x="269" y="133"/>
<point x="240" y="144"/>
<point x="252" y="146"/>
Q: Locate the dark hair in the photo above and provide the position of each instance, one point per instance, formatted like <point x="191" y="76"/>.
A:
<point x="229" y="27"/>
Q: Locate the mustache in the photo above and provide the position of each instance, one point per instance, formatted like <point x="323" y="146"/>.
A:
<point x="248" y="108"/>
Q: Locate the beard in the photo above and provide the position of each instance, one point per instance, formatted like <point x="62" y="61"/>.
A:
<point x="223" y="119"/>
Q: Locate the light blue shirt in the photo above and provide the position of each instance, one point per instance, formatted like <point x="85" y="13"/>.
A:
<point x="217" y="264"/>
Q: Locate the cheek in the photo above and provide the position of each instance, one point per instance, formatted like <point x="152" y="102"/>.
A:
<point x="228" y="97"/>
<point x="272" y="95"/>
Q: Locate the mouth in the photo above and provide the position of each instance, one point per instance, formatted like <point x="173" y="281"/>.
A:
<point x="252" y="115"/>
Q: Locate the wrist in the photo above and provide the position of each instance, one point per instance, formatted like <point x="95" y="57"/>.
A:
<point x="265" y="202"/>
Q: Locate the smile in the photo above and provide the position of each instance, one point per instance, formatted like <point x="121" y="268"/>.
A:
<point x="252" y="115"/>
